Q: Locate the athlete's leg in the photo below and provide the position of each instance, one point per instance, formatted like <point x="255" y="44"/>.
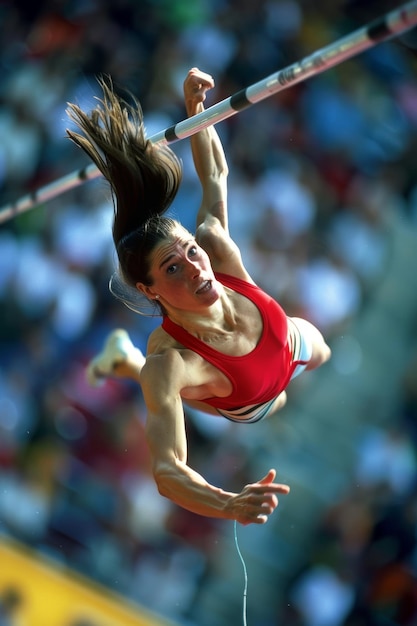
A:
<point x="320" y="351"/>
<point x="119" y="358"/>
<point x="279" y="403"/>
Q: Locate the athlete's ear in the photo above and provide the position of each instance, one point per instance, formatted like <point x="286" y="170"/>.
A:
<point x="147" y="291"/>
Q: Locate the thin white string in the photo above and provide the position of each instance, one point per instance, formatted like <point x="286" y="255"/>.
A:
<point x="245" y="573"/>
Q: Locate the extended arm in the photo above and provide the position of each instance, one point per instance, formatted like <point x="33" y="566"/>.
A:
<point x="166" y="438"/>
<point x="210" y="163"/>
<point x="207" y="150"/>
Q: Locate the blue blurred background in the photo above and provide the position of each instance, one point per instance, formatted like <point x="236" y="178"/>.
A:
<point x="323" y="202"/>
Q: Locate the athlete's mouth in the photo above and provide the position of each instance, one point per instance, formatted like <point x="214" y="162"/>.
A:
<point x="206" y="286"/>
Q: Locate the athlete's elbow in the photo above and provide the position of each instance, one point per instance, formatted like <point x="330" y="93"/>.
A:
<point x="162" y="484"/>
<point x="164" y="476"/>
<point x="223" y="170"/>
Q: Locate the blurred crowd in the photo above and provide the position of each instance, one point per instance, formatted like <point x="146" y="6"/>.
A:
<point x="314" y="173"/>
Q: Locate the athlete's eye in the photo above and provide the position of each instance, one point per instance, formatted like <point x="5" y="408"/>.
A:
<point x="193" y="251"/>
<point x="171" y="269"/>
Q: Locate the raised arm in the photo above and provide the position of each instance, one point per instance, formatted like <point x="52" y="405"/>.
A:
<point x="209" y="158"/>
<point x="166" y="437"/>
<point x="212" y="231"/>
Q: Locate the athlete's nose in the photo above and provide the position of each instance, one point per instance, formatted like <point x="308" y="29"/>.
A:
<point x="194" y="268"/>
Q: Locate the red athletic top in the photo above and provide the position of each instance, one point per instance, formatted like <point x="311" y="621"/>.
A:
<point x="263" y="373"/>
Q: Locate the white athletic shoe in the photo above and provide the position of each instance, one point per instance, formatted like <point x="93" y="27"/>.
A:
<point x="117" y="349"/>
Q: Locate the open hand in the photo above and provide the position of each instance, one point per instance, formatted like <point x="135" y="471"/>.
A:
<point x="257" y="501"/>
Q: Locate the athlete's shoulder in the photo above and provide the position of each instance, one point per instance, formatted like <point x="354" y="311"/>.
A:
<point x="160" y="341"/>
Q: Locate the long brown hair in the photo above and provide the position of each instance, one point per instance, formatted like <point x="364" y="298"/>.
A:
<point x="144" y="177"/>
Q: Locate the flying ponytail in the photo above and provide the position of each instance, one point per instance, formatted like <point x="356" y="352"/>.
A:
<point x="144" y="177"/>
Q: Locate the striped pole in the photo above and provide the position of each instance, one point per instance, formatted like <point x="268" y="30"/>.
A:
<point x="384" y="28"/>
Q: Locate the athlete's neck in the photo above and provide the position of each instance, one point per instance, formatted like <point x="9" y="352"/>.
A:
<point x="217" y="319"/>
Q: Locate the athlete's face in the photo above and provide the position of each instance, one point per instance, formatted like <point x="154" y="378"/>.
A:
<point x="182" y="274"/>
